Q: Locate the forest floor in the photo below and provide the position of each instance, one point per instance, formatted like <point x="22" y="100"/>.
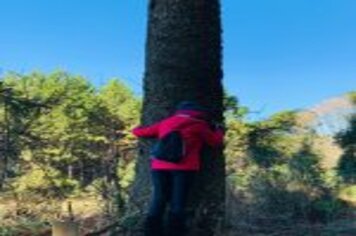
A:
<point x="88" y="212"/>
<point x="346" y="227"/>
<point x="34" y="218"/>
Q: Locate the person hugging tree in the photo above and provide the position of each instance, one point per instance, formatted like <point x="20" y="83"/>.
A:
<point x="175" y="160"/>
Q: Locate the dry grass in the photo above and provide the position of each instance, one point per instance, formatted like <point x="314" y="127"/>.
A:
<point x="243" y="218"/>
<point x="340" y="228"/>
<point x="34" y="217"/>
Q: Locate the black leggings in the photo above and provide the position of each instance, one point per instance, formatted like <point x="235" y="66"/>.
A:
<point x="170" y="187"/>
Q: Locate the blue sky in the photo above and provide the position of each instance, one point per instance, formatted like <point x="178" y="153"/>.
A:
<point x="278" y="54"/>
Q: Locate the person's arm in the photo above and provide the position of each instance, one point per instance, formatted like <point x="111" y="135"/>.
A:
<point x="150" y="131"/>
<point x="213" y="138"/>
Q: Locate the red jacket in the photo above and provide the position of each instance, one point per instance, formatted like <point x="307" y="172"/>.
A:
<point x="195" y="133"/>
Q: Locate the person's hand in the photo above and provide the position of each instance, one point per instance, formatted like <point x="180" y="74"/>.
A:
<point x="219" y="126"/>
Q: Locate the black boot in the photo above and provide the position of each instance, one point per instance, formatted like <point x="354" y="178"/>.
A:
<point x="153" y="226"/>
<point x="176" y="225"/>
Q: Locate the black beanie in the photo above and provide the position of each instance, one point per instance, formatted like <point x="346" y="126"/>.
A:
<point x="189" y="105"/>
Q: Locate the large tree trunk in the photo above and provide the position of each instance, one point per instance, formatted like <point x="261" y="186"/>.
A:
<point x="183" y="62"/>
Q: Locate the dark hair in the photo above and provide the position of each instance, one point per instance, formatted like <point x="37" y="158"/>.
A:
<point x="190" y="105"/>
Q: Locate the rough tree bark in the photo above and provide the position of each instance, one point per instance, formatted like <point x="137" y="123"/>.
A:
<point x="183" y="62"/>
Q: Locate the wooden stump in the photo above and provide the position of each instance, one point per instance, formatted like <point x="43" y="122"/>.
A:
<point x="65" y="228"/>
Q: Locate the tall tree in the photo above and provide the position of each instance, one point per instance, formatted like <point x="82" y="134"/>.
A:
<point x="183" y="62"/>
